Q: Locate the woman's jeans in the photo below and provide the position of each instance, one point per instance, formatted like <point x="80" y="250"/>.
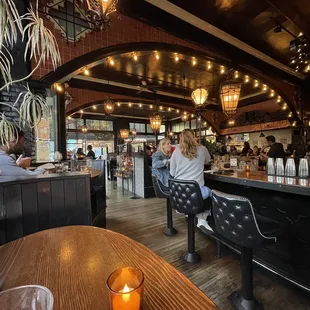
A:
<point x="205" y="192"/>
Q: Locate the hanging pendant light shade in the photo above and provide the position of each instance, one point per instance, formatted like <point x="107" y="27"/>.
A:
<point x="134" y="132"/>
<point x="124" y="133"/>
<point x="262" y="135"/>
<point x="84" y="128"/>
<point x="155" y="121"/>
<point x="109" y="106"/>
<point x="230" y="93"/>
<point x="98" y="12"/>
<point x="199" y="96"/>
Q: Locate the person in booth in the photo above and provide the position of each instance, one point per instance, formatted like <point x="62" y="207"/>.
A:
<point x="187" y="163"/>
<point x="160" y="161"/>
<point x="276" y="149"/>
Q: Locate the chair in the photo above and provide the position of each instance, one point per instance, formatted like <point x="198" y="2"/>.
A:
<point x="160" y="192"/>
<point x="185" y="197"/>
<point x="236" y="221"/>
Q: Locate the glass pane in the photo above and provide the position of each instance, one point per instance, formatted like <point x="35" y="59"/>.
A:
<point x="181" y="127"/>
<point x="162" y="128"/>
<point x="79" y="123"/>
<point x="149" y="129"/>
<point x="193" y="124"/>
<point x="186" y="125"/>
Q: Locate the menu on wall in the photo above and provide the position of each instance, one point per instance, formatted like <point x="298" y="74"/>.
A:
<point x="43" y="141"/>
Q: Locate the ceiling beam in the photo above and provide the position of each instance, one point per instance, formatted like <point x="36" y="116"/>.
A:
<point x="289" y="10"/>
<point x="193" y="20"/>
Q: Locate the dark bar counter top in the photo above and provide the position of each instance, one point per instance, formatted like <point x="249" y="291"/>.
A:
<point x="259" y="179"/>
<point x="282" y="199"/>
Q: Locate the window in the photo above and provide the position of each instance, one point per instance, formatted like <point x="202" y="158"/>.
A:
<point x="149" y="129"/>
<point x="138" y="126"/>
<point x="162" y="128"/>
<point x="193" y="124"/>
<point x="98" y="125"/>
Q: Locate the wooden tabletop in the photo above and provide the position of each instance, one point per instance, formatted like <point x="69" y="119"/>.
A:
<point x="260" y="179"/>
<point x="74" y="262"/>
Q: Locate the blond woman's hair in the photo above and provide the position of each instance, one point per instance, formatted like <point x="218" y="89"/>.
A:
<point x="161" y="144"/>
<point x="188" y="144"/>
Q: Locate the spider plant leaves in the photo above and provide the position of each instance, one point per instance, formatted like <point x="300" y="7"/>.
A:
<point x="8" y="129"/>
<point x="6" y="60"/>
<point x="41" y="44"/>
<point x="10" y="23"/>
<point x="32" y="109"/>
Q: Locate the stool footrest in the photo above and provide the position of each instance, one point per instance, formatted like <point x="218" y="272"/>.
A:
<point x="240" y="303"/>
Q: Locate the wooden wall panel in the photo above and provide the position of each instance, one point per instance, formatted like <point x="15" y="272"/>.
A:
<point x="58" y="202"/>
<point x="44" y="205"/>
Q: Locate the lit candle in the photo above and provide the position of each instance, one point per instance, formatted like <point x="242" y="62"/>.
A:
<point x="247" y="168"/>
<point x="126" y="289"/>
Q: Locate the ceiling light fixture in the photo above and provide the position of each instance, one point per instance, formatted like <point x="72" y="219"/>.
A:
<point x="236" y="75"/>
<point x="140" y="105"/>
<point x="155" y="122"/>
<point x="135" y="56"/>
<point x="229" y="94"/>
<point x="194" y="61"/>
<point x="124" y="133"/>
<point x="98" y="12"/>
<point x="157" y="55"/>
<point x="176" y="57"/>
<point x="199" y="96"/>
<point x="265" y="87"/>
<point x="209" y="65"/>
<point x="58" y="87"/>
<point x="256" y="83"/>
<point x="84" y="128"/>
<point x="246" y="79"/>
<point x="94" y="107"/>
<point x="118" y="104"/>
<point x="222" y="70"/>
<point x="279" y="99"/>
<point x="86" y="71"/>
<point x="169" y="109"/>
<point x="130" y="104"/>
<point x="109" y="106"/>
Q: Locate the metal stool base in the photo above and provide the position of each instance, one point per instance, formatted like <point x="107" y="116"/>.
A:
<point x="240" y="303"/>
<point x="191" y="257"/>
<point x="170" y="231"/>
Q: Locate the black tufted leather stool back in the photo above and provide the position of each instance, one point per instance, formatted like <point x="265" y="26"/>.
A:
<point x="159" y="188"/>
<point x="235" y="220"/>
<point x="185" y="196"/>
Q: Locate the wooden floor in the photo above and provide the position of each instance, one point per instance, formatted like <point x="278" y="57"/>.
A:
<point x="144" y="220"/>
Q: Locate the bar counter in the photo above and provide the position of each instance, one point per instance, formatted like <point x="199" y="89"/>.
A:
<point x="284" y="200"/>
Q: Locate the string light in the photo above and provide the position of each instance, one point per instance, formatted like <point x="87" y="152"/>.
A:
<point x="69" y="118"/>
<point x="279" y="99"/>
<point x="231" y="122"/>
<point x="140" y="105"/>
<point x="135" y="56"/>
<point x="284" y="107"/>
<point x="246" y="79"/>
<point x="160" y="108"/>
<point x="94" y="107"/>
<point x="111" y="61"/>
<point x="86" y="71"/>
<point x="192" y="115"/>
<point x="300" y="34"/>
<point x="81" y="111"/>
<point x="199" y="119"/>
<point x="118" y="104"/>
<point x="169" y="109"/>
<point x="294" y="124"/>
<point x="194" y="61"/>
<point x="157" y="55"/>
<point x="264" y="87"/>
<point x="129" y="104"/>
<point x="272" y="93"/>
<point x="256" y="83"/>
<point x="204" y="123"/>
<point x="290" y="114"/>
<point x="178" y="111"/>
<point x="151" y="106"/>
<point x="176" y="57"/>
<point x="236" y="74"/>
<point x="58" y="87"/>
<point x="209" y="65"/>
<point x="222" y="70"/>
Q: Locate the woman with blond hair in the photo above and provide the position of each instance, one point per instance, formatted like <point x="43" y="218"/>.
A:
<point x="160" y="161"/>
<point x="187" y="163"/>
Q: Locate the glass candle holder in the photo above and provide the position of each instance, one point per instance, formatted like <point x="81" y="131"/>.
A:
<point x="126" y="289"/>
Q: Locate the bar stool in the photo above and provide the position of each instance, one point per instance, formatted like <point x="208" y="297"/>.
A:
<point x="186" y="198"/>
<point x="236" y="221"/>
<point x="160" y="192"/>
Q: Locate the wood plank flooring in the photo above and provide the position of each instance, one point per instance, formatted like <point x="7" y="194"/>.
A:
<point x="144" y="220"/>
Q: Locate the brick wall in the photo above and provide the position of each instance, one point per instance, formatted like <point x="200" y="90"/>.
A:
<point x="123" y="30"/>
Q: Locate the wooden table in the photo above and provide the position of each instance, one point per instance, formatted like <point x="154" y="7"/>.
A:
<point x="74" y="263"/>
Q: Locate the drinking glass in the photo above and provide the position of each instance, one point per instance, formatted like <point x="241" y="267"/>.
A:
<point x="27" y="297"/>
<point x="279" y="167"/>
<point x="303" y="168"/>
<point x="270" y="166"/>
<point x="290" y="168"/>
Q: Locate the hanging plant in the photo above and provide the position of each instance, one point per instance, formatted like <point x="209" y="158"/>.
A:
<point x="10" y="23"/>
<point x="6" y="60"/>
<point x="41" y="43"/>
<point x="32" y="109"/>
<point x="9" y="130"/>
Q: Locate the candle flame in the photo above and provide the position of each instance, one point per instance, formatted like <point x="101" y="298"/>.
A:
<point x="126" y="297"/>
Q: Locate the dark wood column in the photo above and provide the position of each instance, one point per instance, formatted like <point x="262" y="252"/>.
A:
<point x="61" y="125"/>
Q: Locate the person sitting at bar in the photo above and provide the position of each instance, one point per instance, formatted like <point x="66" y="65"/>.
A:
<point x="148" y="151"/>
<point x="79" y="154"/>
<point x="11" y="167"/>
<point x="276" y="148"/>
<point x="246" y="149"/>
<point x="256" y="151"/>
<point x="91" y="154"/>
<point x="233" y="151"/>
<point x="160" y="161"/>
<point x="187" y="163"/>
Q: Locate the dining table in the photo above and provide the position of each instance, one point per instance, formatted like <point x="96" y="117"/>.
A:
<point x="74" y="263"/>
